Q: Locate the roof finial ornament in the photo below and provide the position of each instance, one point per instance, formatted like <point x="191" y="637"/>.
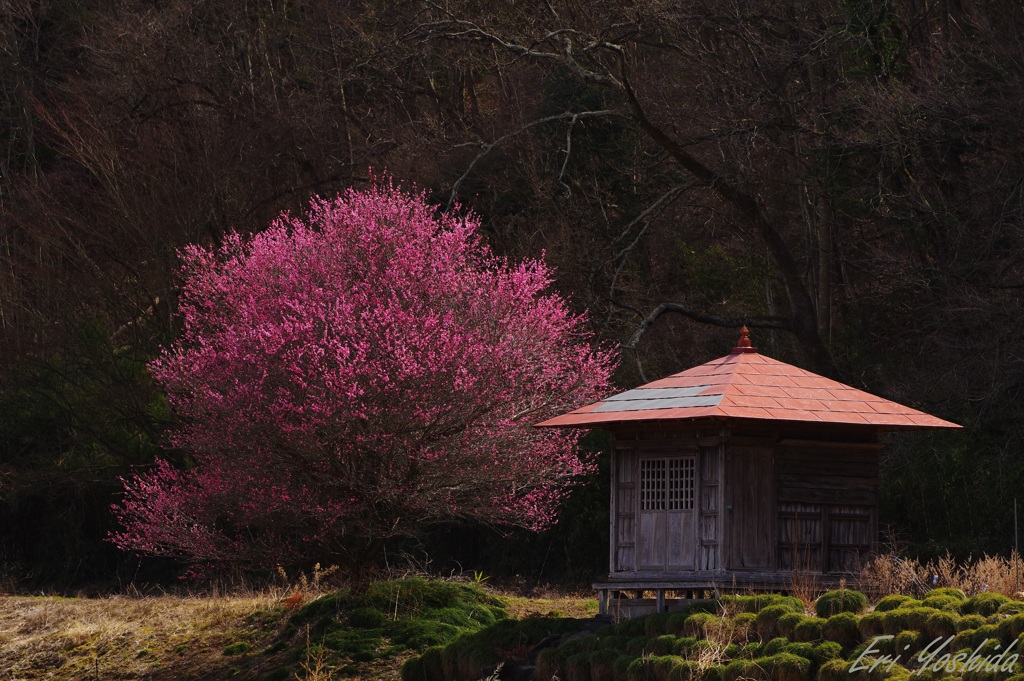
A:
<point x="743" y="344"/>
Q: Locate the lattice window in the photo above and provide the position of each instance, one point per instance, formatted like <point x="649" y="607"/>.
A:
<point x="652" y="484"/>
<point x="680" y="484"/>
<point x="666" y="484"/>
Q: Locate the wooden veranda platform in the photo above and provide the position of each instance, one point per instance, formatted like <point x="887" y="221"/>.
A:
<point x="631" y="598"/>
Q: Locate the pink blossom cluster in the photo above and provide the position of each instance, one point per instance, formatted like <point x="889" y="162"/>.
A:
<point x="361" y="373"/>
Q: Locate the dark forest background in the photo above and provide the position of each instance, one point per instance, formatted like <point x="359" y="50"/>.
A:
<point x="846" y="176"/>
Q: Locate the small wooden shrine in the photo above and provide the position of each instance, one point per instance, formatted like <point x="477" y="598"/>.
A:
<point x="739" y="474"/>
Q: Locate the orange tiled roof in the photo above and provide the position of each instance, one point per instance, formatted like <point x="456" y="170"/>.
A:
<point x="746" y="385"/>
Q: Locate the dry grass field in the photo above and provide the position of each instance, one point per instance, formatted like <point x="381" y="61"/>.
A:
<point x="129" y="638"/>
<point x="262" y="636"/>
<point x="165" y="638"/>
<point x="253" y="635"/>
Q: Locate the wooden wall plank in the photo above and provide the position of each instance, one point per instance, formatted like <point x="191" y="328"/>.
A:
<point x="709" y="536"/>
<point x="624" y="538"/>
<point x="819" y="496"/>
<point x="749" y="507"/>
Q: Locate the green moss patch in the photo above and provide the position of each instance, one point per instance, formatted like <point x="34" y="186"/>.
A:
<point x="892" y="602"/>
<point x="393" y="617"/>
<point x="842" y="628"/>
<point x="984" y="604"/>
<point x="510" y="641"/>
<point x="237" y="648"/>
<point x="740" y="637"/>
<point x="841" y="600"/>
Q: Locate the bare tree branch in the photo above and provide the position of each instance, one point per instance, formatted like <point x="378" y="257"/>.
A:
<point x="804" y="321"/>
<point x="487" y="148"/>
<point x="705" y="318"/>
<point x="568" y="153"/>
<point x="639" y="366"/>
<point x="647" y="216"/>
<point x="657" y="207"/>
<point x="604" y="79"/>
<point x="456" y="29"/>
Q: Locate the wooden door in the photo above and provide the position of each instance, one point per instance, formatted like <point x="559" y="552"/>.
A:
<point x="749" y="507"/>
<point x="666" y="539"/>
<point x="709" y="538"/>
<point x="623" y="534"/>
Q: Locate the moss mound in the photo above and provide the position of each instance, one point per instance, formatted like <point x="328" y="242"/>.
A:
<point x="1011" y="628"/>
<point x="638" y="670"/>
<point x="841" y="600"/>
<point x="789" y="622"/>
<point x="842" y="628"/>
<point x="620" y="670"/>
<point x="762" y="638"/>
<point x="941" y="624"/>
<point x="577" y="667"/>
<point x="770" y="622"/>
<point x="687" y="671"/>
<point x="833" y="670"/>
<point x="872" y="624"/>
<point x="941" y="603"/>
<point x="664" y="645"/>
<point x="984" y="604"/>
<point x="663" y="666"/>
<point x="755" y="604"/>
<point x="906" y="618"/>
<point x="703" y="625"/>
<point x="908" y="643"/>
<point x="546" y="669"/>
<point x="825" y="651"/>
<point x="892" y="602"/>
<point x="602" y="663"/>
<point x="740" y="669"/>
<point x="392" y="617"/>
<point x="809" y="629"/>
<point x="785" y="667"/>
<point x="774" y="646"/>
<point x="661" y="623"/>
<point x="509" y="641"/>
<point x="948" y="591"/>
<point x="367" y="618"/>
<point x="238" y="648"/>
<point x="970" y="622"/>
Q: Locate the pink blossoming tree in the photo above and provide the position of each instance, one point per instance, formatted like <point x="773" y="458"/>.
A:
<point x="359" y="374"/>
